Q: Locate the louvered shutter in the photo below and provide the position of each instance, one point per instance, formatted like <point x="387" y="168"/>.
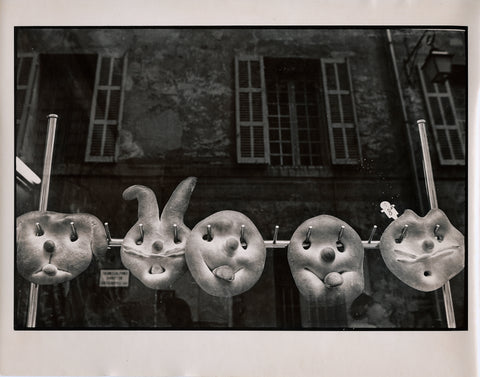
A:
<point x="107" y="108"/>
<point x="250" y="105"/>
<point x="341" y="115"/>
<point x="26" y="76"/>
<point x="447" y="130"/>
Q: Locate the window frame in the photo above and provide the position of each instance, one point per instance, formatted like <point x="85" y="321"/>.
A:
<point x="323" y="91"/>
<point x="29" y="101"/>
<point x="348" y="160"/>
<point x="250" y="124"/>
<point x="452" y="161"/>
<point x="294" y="117"/>
<point x="105" y="122"/>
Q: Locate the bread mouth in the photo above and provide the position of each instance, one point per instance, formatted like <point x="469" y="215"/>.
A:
<point x="175" y="252"/>
<point x="225" y="272"/>
<point x="51" y="271"/>
<point x="156" y="269"/>
<point x="412" y="258"/>
<point x="331" y="280"/>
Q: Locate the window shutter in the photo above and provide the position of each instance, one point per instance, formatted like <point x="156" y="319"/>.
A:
<point x="341" y="115"/>
<point x="107" y="108"/>
<point x="26" y="77"/>
<point x="447" y="129"/>
<point x="251" y="118"/>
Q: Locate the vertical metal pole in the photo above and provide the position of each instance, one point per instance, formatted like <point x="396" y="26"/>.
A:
<point x="406" y="122"/>
<point x="432" y="197"/>
<point x="155" y="309"/>
<point x="44" y="190"/>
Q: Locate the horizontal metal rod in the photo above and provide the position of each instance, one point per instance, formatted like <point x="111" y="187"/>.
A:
<point x="269" y="244"/>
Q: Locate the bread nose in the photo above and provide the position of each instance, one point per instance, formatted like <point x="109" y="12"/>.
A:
<point x="49" y="246"/>
<point x="231" y="245"/>
<point x="428" y="245"/>
<point x="327" y="254"/>
<point x="157" y="246"/>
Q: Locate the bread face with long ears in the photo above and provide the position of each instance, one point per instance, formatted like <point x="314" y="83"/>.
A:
<point x="53" y="247"/>
<point x="225" y="254"/>
<point x="325" y="255"/>
<point x="423" y="252"/>
<point x="154" y="248"/>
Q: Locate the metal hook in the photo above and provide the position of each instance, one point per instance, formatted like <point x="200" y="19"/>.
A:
<point x="107" y="232"/>
<point x="38" y="230"/>
<point x="339" y="244"/>
<point x="175" y="234"/>
<point x="374" y="230"/>
<point x="74" y="235"/>
<point x="435" y="232"/>
<point x="306" y="243"/>
<point x="403" y="235"/>
<point x="243" y="242"/>
<point x="142" y="234"/>
<point x="275" y="234"/>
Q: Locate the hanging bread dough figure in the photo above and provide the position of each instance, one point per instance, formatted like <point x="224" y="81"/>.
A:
<point x="154" y="248"/>
<point x="225" y="254"/>
<point x="423" y="252"/>
<point x="53" y="247"/>
<point x="326" y="259"/>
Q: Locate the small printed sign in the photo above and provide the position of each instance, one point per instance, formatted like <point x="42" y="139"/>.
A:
<point x="114" y="278"/>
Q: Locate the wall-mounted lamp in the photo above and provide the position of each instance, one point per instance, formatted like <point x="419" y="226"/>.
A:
<point x="437" y="65"/>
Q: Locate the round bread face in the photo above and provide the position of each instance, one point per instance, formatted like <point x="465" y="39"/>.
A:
<point x="52" y="255"/>
<point x="324" y="270"/>
<point x="157" y="261"/>
<point x="226" y="264"/>
<point x="429" y="254"/>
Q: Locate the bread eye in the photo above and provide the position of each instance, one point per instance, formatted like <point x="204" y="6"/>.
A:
<point x="340" y="246"/>
<point x="436" y="232"/>
<point x="208" y="236"/>
<point x="243" y="241"/>
<point x="38" y="230"/>
<point x="176" y="239"/>
<point x="142" y="234"/>
<point x="73" y="232"/>
<point x="306" y="243"/>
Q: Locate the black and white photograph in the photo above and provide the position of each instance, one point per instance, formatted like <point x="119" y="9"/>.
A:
<point x="212" y="184"/>
<point x="240" y="178"/>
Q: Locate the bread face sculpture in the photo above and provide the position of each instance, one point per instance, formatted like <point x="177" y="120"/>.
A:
<point x="53" y="248"/>
<point x="326" y="259"/>
<point x="423" y="252"/>
<point x="154" y="248"/>
<point x="225" y="254"/>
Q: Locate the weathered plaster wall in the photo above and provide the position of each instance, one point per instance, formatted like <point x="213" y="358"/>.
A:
<point x="180" y="86"/>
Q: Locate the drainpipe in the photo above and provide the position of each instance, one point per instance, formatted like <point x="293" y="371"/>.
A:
<point x="405" y="121"/>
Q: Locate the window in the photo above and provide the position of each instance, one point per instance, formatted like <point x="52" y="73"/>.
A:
<point x="252" y="126"/>
<point x="90" y="107"/>
<point x="447" y="128"/>
<point x="293" y="112"/>
<point x="282" y="118"/>
<point x="107" y="108"/>
<point x="26" y="78"/>
<point x="342" y="123"/>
